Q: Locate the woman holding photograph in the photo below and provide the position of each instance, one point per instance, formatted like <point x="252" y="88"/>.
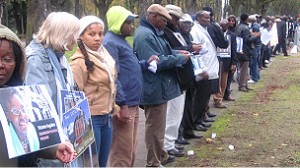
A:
<point x="47" y="64"/>
<point x="12" y="68"/>
<point x="95" y="73"/>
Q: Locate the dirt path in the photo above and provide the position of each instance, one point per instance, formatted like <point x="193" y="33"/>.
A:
<point x="262" y="125"/>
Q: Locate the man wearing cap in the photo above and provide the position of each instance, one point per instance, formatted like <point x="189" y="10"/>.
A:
<point x="129" y="86"/>
<point x="185" y="75"/>
<point x="159" y="87"/>
<point x="187" y="123"/>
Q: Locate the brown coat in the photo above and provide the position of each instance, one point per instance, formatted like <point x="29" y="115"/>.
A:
<point x="96" y="83"/>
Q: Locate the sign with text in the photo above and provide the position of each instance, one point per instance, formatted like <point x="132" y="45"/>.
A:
<point x="29" y="119"/>
<point x="77" y="125"/>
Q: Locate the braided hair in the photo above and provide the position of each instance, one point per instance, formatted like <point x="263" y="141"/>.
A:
<point x="89" y="64"/>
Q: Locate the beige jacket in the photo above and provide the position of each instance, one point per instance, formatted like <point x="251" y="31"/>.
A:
<point x="96" y="84"/>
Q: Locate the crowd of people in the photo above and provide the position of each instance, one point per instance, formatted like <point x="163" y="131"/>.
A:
<point x="177" y="63"/>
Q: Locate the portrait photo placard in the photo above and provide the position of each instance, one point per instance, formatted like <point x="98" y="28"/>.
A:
<point x="29" y="119"/>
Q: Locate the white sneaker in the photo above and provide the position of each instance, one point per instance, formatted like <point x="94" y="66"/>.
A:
<point x="266" y="61"/>
<point x="251" y="81"/>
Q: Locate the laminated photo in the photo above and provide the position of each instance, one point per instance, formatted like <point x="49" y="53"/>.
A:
<point x="29" y="119"/>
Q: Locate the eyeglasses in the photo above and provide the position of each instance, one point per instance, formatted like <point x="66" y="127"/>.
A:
<point x="17" y="112"/>
<point x="8" y="60"/>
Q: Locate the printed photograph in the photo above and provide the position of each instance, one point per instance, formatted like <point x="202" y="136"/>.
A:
<point x="29" y="119"/>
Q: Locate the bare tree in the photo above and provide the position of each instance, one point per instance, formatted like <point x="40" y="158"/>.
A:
<point x="192" y="6"/>
<point x="78" y="9"/>
<point x="1" y="9"/>
<point x="102" y="6"/>
<point x="290" y="8"/>
<point x="143" y="6"/>
<point x="40" y="8"/>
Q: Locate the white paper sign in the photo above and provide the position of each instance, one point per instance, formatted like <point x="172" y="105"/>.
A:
<point x="239" y="45"/>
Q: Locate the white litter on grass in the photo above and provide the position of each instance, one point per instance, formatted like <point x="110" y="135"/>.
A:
<point x="190" y="153"/>
<point x="213" y="135"/>
<point x="231" y="147"/>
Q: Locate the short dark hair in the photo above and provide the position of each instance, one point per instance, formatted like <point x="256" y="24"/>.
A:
<point x="244" y="16"/>
<point x="209" y="9"/>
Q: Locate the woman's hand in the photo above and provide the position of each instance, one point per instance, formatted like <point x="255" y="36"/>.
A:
<point x="124" y="115"/>
<point x="65" y="152"/>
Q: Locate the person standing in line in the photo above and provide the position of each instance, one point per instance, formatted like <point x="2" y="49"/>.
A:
<point x="186" y="78"/>
<point x="220" y="42"/>
<point x="95" y="73"/>
<point x="227" y="64"/>
<point x="254" y="70"/>
<point x="281" y="32"/>
<point x="160" y="86"/>
<point x="47" y="65"/>
<point x="243" y="31"/>
<point x="274" y="40"/>
<point x="266" y="43"/>
<point x="234" y="61"/>
<point x="210" y="69"/>
<point x="129" y="85"/>
<point x="186" y="129"/>
<point x="12" y="70"/>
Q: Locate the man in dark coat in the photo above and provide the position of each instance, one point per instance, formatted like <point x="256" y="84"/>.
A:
<point x="281" y="31"/>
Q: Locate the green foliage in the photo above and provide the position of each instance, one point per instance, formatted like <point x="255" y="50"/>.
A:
<point x="70" y="53"/>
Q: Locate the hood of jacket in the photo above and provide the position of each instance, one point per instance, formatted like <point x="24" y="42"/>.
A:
<point x="116" y="16"/>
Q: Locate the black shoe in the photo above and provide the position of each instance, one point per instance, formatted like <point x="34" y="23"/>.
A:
<point x="170" y="159"/>
<point x="286" y="55"/>
<point x="192" y="136"/>
<point x="176" y="152"/>
<point x="248" y="88"/>
<point x="181" y="140"/>
<point x="204" y="124"/>
<point x="180" y="147"/>
<point x="207" y="119"/>
<point x="199" y="127"/>
<point x="211" y="114"/>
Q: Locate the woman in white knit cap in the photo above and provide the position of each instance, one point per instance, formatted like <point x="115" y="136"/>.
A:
<point x="95" y="73"/>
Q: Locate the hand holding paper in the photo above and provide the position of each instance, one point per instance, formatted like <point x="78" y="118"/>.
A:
<point x="153" y="66"/>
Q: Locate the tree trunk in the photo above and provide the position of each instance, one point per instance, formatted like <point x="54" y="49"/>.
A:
<point x="102" y="7"/>
<point x="143" y="6"/>
<point x="37" y="12"/>
<point x="1" y="10"/>
<point x="78" y="9"/>
<point x="192" y="6"/>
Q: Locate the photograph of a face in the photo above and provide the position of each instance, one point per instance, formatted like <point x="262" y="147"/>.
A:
<point x="28" y="119"/>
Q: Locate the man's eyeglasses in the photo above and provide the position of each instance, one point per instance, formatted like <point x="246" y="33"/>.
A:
<point x="17" y="112"/>
<point x="8" y="60"/>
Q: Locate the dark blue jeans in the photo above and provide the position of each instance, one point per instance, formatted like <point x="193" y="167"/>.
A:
<point x="102" y="125"/>
<point x="254" y="64"/>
